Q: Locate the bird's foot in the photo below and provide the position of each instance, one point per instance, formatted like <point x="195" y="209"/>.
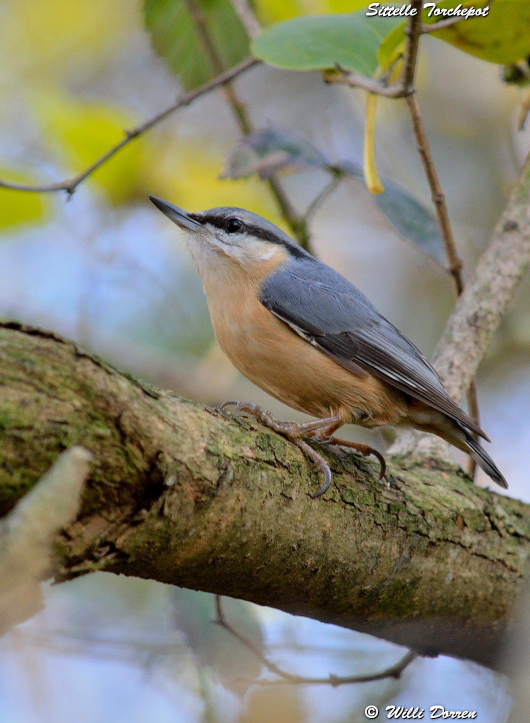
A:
<point x="292" y="431"/>
<point x="364" y="449"/>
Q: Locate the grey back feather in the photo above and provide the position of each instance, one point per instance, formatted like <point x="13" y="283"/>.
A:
<point x="331" y="313"/>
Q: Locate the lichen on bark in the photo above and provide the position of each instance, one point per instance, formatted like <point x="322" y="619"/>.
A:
<point x="180" y="494"/>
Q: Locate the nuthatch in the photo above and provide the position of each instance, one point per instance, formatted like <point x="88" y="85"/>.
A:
<point x="306" y="335"/>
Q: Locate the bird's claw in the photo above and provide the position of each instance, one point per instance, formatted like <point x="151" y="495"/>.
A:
<point x="291" y="430"/>
<point x="365" y="450"/>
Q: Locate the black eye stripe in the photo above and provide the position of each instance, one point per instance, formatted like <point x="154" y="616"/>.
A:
<point x="212" y="220"/>
<point x="252" y="230"/>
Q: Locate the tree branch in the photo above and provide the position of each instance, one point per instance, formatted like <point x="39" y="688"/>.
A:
<point x="480" y="308"/>
<point x="405" y="89"/>
<point x="393" y="671"/>
<point x="248" y="18"/>
<point x="70" y="185"/>
<point x="441" y="24"/>
<point x="442" y="213"/>
<point x="179" y="494"/>
<point x="289" y="215"/>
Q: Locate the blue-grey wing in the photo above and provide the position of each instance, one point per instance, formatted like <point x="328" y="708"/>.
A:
<point x="331" y="313"/>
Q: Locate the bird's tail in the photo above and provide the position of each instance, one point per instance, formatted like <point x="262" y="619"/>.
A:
<point x="483" y="460"/>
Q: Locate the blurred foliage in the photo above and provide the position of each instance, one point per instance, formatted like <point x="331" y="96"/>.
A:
<point x="190" y="173"/>
<point x="318" y="42"/>
<point x="272" y="150"/>
<point x="63" y="34"/>
<point x="503" y="36"/>
<point x="273" y="11"/>
<point x="287" y="702"/>
<point x="214" y="646"/>
<point x="371" y="45"/>
<point x="175" y="36"/>
<point x="83" y="131"/>
<point x="19" y="208"/>
<point x="174" y="32"/>
<point x="412" y="220"/>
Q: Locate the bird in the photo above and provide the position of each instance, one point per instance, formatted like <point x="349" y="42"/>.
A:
<point x="306" y="335"/>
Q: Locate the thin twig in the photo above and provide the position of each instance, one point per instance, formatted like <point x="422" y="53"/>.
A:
<point x="404" y="88"/>
<point x="454" y="261"/>
<point x="482" y="306"/>
<point x="405" y="85"/>
<point x="410" y="62"/>
<point x="70" y="185"/>
<point x="394" y="671"/>
<point x="321" y="197"/>
<point x="438" y="196"/>
<point x="358" y="80"/>
<point x="248" y="17"/>
<point x="245" y="124"/>
<point x="441" y="24"/>
<point x="445" y="23"/>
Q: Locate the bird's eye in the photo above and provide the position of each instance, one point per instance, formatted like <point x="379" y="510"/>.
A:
<point x="233" y="225"/>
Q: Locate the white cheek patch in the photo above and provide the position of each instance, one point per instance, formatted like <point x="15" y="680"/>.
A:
<point x="267" y="255"/>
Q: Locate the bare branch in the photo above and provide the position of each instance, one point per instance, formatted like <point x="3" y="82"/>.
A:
<point x="440" y="205"/>
<point x="487" y="295"/>
<point x="393" y="671"/>
<point x="437" y="194"/>
<point x="358" y="80"/>
<point x="184" y="496"/>
<point x="405" y="89"/>
<point x="248" y="17"/>
<point x="405" y="86"/>
<point x="441" y="24"/>
<point x="481" y="307"/>
<point x="285" y="207"/>
<point x="319" y="199"/>
<point x="70" y="185"/>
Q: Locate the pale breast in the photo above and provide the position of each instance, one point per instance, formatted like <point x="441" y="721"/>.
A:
<point x="278" y="360"/>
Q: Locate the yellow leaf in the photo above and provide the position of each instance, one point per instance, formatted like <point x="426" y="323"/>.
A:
<point x="503" y="36"/>
<point x="189" y="176"/>
<point x="61" y="36"/>
<point x="373" y="182"/>
<point x="20" y="207"/>
<point x="274" y="11"/>
<point x="84" y="131"/>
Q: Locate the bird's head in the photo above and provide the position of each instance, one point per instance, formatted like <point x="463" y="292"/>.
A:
<point x="229" y="238"/>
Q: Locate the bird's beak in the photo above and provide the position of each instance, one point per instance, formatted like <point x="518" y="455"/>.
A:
<point x="177" y="215"/>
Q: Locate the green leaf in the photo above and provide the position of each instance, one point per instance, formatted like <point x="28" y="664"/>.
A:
<point x="17" y="207"/>
<point x="175" y="37"/>
<point x="318" y="42"/>
<point x="270" y="150"/>
<point x="503" y="36"/>
<point x="392" y="45"/>
<point x="273" y="149"/>
<point x="412" y="220"/>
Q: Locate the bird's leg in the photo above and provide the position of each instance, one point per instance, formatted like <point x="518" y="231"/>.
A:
<point x="294" y="433"/>
<point x="326" y="435"/>
<point x="365" y="450"/>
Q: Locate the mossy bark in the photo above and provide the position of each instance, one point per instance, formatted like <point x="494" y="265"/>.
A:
<point x="180" y="494"/>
